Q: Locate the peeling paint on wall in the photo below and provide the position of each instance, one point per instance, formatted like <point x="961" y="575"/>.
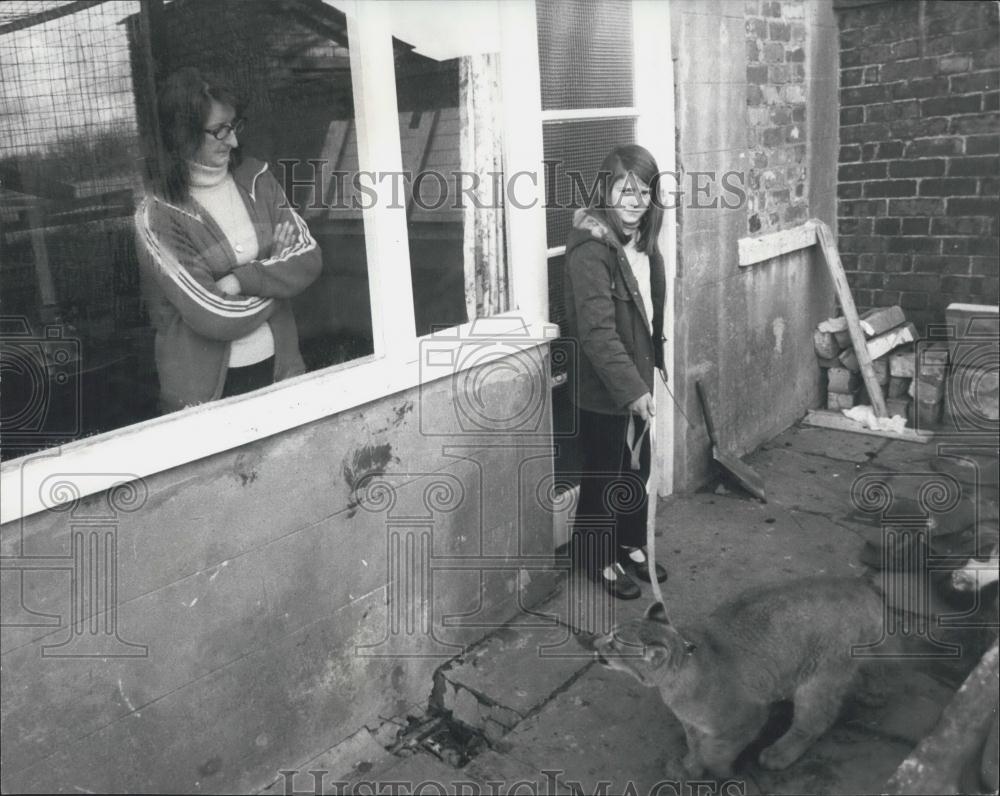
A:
<point x="245" y="466"/>
<point x="366" y="461"/>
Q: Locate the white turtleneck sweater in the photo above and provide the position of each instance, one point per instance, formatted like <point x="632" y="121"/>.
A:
<point x="215" y="190"/>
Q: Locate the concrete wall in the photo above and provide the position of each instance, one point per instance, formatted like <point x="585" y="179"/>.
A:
<point x="919" y="180"/>
<point x="747" y="333"/>
<point x="275" y="600"/>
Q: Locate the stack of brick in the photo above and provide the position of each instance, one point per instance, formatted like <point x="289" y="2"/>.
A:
<point x="886" y="329"/>
<point x="917" y="376"/>
<point x="973" y="388"/>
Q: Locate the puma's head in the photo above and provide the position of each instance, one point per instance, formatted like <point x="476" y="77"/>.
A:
<point x="649" y="648"/>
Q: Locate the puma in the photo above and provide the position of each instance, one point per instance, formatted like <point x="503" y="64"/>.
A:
<point x="720" y="678"/>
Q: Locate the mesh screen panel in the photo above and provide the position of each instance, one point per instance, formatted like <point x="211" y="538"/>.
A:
<point x="585" y="53"/>
<point x="573" y="152"/>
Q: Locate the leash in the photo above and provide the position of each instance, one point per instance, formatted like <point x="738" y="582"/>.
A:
<point x="635" y="445"/>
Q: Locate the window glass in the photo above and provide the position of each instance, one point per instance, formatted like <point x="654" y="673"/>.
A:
<point x="573" y="151"/>
<point x="76" y="349"/>
<point x="585" y="53"/>
<point x="83" y="332"/>
<point x="450" y="127"/>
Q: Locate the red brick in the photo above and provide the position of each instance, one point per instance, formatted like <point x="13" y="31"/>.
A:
<point x="863" y="207"/>
<point x="863" y="95"/>
<point x="920" y="128"/>
<point x="779" y="31"/>
<point x="982" y="145"/>
<point x="978" y="81"/>
<point x="973" y="166"/>
<point x="890" y="188"/>
<point x="849" y="190"/>
<point x="855" y="115"/>
<point x="850" y="153"/>
<point x="960" y="226"/>
<point x="970" y="125"/>
<point x="890" y="149"/>
<point x="914" y="245"/>
<point x="941" y="264"/>
<point x="924" y="167"/>
<point x="916" y="207"/>
<point x="934" y="146"/>
<point x="983" y="266"/>
<point x="948" y="186"/>
<point x="909" y="69"/>
<point x="886" y="226"/>
<point x="897" y="263"/>
<point x="912" y="282"/>
<point x="949" y="106"/>
<point x="865" y="132"/>
<point x="916" y="226"/>
<point x="912" y="301"/>
<point x="973" y="206"/>
<point x="954" y="63"/>
<point x="862" y="171"/>
<point x="927" y="87"/>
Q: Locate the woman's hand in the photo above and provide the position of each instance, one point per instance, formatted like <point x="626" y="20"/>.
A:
<point x="643" y="406"/>
<point x="229" y="285"/>
<point x="284" y="236"/>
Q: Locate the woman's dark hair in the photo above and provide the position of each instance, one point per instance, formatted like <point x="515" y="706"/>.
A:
<point x="184" y="104"/>
<point x="621" y="162"/>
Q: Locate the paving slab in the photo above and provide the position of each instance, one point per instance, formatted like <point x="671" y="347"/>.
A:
<point x="842" y="445"/>
<point x="498" y="772"/>
<point x="805" y="481"/>
<point x="417" y="773"/>
<point x="604" y="728"/>
<point x="513" y="672"/>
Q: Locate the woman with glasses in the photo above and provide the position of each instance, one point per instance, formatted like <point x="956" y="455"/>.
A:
<point x="221" y="253"/>
<point x="615" y="288"/>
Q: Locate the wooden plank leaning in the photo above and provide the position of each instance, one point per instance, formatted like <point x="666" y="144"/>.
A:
<point x="858" y="340"/>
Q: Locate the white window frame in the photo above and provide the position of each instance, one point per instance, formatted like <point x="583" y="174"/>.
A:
<point x="159" y="444"/>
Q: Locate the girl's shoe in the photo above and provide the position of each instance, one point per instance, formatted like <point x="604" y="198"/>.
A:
<point x="638" y="563"/>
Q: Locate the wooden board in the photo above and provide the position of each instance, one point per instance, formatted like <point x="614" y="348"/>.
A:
<point x="858" y="338"/>
<point x="823" y="418"/>
<point x="766" y="247"/>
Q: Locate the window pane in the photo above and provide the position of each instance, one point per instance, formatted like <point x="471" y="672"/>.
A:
<point x="87" y="344"/>
<point x="293" y="73"/>
<point x="585" y="53"/>
<point x="77" y="351"/>
<point x="573" y="152"/>
<point x="450" y="127"/>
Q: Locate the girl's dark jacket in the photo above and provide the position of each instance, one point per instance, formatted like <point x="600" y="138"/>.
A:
<point x="615" y="355"/>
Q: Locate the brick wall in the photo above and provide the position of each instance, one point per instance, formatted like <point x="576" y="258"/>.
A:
<point x="777" y="177"/>
<point x="919" y="154"/>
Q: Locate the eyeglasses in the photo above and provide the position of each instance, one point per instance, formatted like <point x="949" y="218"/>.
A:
<point x="221" y="133"/>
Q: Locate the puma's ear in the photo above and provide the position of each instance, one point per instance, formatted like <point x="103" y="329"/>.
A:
<point x="657" y="613"/>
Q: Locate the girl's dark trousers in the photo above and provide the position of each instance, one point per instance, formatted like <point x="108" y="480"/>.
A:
<point x="611" y="509"/>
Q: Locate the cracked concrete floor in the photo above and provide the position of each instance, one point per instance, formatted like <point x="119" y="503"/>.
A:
<point x="558" y="723"/>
